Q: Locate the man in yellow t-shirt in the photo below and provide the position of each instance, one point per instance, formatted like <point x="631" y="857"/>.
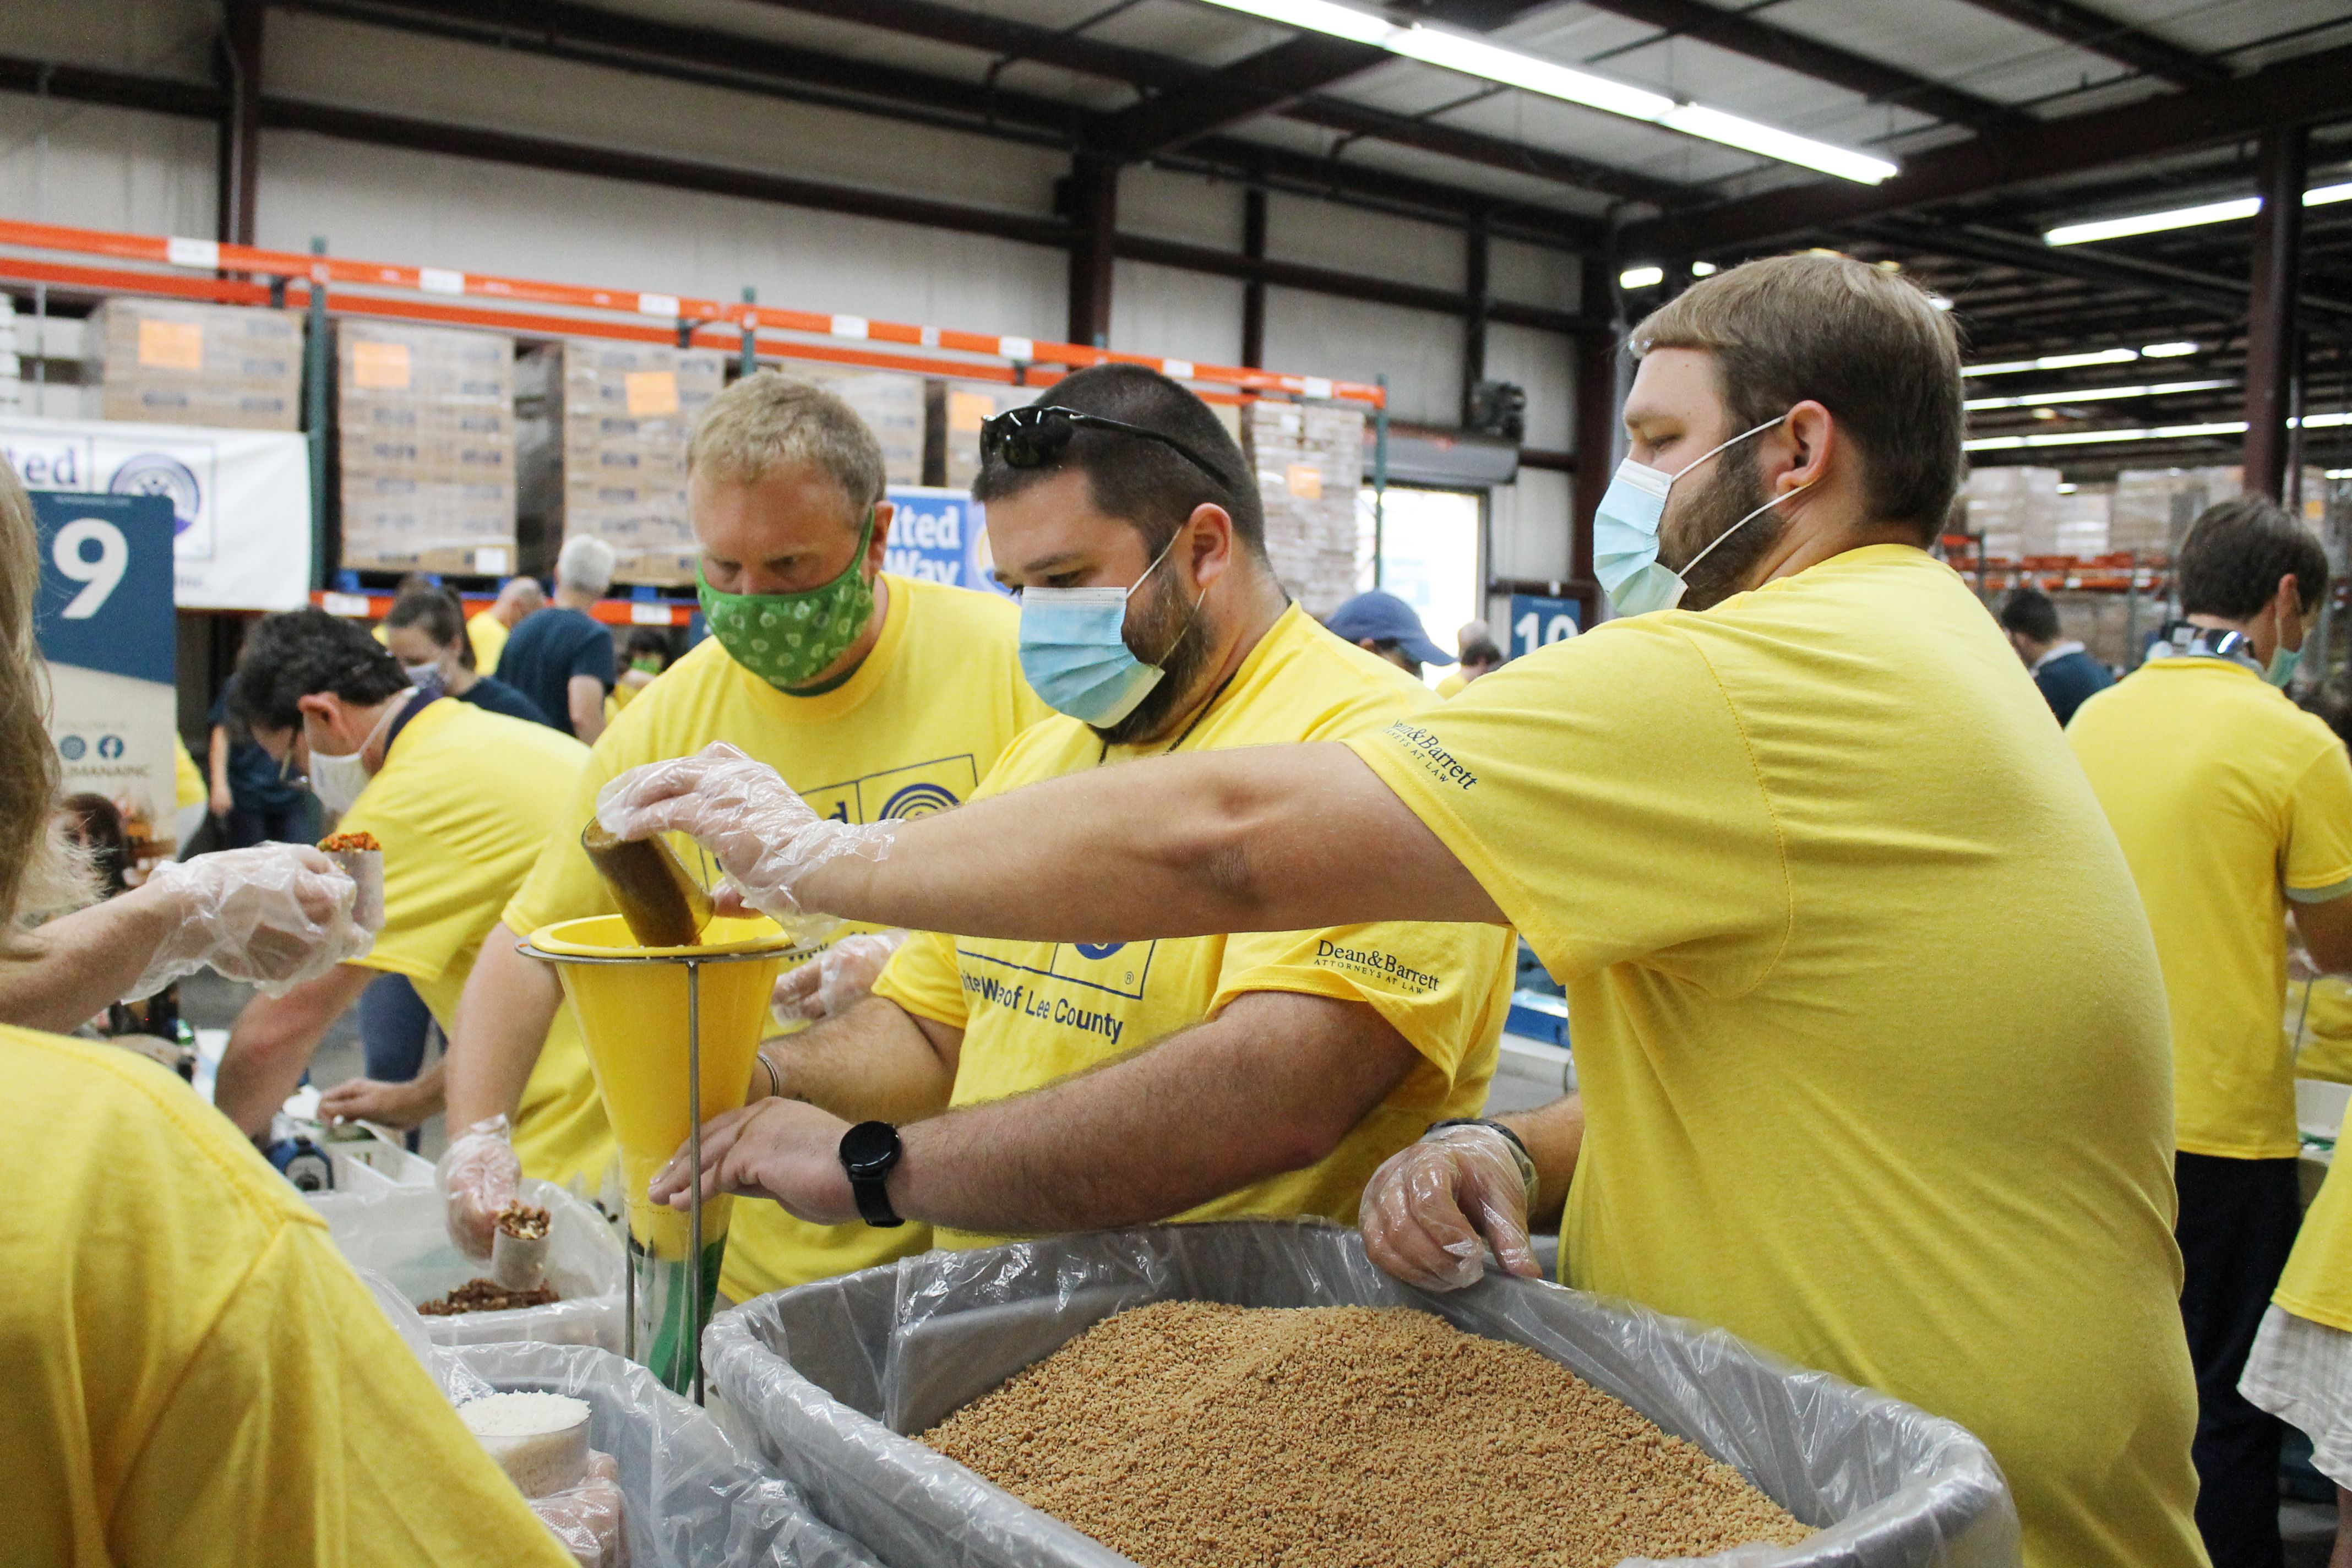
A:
<point x="2233" y="807"/>
<point x="898" y="707"/>
<point x="458" y="797"/>
<point x="1110" y="1083"/>
<point x="488" y="629"/>
<point x="1841" y="1099"/>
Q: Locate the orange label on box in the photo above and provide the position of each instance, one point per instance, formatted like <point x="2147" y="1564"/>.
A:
<point x="380" y="365"/>
<point x="967" y="411"/>
<point x="651" y="392"/>
<point x="1303" y="480"/>
<point x="172" y="345"/>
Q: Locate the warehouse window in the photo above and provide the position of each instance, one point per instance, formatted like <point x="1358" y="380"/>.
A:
<point x="1427" y="552"/>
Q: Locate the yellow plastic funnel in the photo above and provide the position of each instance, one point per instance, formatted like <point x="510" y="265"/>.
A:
<point x="633" y="1021"/>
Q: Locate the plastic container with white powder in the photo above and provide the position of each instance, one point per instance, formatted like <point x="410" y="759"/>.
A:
<point x="539" y="1440"/>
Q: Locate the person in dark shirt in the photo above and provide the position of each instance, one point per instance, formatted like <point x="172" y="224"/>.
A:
<point x="426" y="632"/>
<point x="561" y="658"/>
<point x="2064" y="671"/>
<point x="254" y="797"/>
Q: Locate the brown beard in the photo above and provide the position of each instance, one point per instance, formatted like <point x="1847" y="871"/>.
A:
<point x="1170" y="620"/>
<point x="1733" y="492"/>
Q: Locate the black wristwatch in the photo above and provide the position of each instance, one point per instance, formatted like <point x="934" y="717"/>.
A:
<point x="868" y="1153"/>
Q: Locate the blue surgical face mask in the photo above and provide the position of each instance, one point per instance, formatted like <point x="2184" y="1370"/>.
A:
<point x="2283" y="660"/>
<point x="1625" y="532"/>
<point x="1074" y="650"/>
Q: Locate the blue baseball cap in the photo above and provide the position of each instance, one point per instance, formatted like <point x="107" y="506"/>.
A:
<point x="1384" y="617"/>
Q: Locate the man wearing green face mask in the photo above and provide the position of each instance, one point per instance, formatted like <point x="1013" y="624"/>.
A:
<point x="878" y="695"/>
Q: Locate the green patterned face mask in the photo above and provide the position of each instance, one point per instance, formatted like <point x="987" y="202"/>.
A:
<point x="789" y="639"/>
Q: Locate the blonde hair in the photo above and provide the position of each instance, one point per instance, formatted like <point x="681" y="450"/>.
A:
<point x="770" y="418"/>
<point x="40" y="872"/>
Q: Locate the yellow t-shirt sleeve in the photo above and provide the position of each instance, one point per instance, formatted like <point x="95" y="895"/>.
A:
<point x="1444" y="987"/>
<point x="304" y="1428"/>
<point x="563" y="884"/>
<point x="924" y="978"/>
<point x="2319" y="836"/>
<point x="1590" y="825"/>
<point x="188" y="784"/>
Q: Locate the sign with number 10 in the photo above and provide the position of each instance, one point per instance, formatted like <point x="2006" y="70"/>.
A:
<point x="1538" y="621"/>
<point x="104" y="621"/>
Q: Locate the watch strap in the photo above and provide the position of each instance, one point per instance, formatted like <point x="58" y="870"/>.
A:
<point x="870" y="1179"/>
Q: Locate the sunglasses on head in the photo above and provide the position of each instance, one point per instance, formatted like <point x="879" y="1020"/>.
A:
<point x="1034" y="438"/>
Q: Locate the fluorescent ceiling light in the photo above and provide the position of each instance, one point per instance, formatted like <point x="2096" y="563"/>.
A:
<point x="2167" y="351"/>
<point x="2183" y="217"/>
<point x="1641" y="277"/>
<point x="1704" y="269"/>
<point x="1940" y="303"/>
<point x="2097" y="437"/>
<point x="2094" y="394"/>
<point x="1494" y="62"/>
<point x="2053" y="362"/>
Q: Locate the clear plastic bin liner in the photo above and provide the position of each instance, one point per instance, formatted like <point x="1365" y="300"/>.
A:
<point x="825" y="1379"/>
<point x="692" y="1499"/>
<point x="397" y="1232"/>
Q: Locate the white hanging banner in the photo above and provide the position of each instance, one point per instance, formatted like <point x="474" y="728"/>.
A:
<point x="240" y="499"/>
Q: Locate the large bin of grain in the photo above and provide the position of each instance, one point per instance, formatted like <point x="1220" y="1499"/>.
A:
<point x="397" y="1231"/>
<point x="827" y="1380"/>
<point x="690" y="1498"/>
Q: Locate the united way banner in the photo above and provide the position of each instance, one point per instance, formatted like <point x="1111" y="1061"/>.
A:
<point x="240" y="500"/>
<point x="940" y="536"/>
<point x="104" y="622"/>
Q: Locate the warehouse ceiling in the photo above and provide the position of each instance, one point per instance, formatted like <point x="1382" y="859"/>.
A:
<point x="2006" y="119"/>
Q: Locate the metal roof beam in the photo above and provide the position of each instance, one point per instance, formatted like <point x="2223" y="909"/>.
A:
<point x="2303" y="90"/>
<point x="1875" y="79"/>
<point x="598" y="38"/>
<point x="1144" y="70"/>
<point x="2027" y="253"/>
<point x="2103" y="34"/>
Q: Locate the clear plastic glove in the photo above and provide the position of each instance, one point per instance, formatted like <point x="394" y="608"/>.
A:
<point x="478" y="1174"/>
<point x="836" y="980"/>
<point x="587" y="1517"/>
<point x="275" y="914"/>
<point x="1431" y="1211"/>
<point x="764" y="836"/>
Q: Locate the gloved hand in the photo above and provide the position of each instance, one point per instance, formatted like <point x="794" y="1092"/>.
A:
<point x="275" y="914"/>
<point x="836" y="980"/>
<point x="764" y="836"/>
<point x="587" y="1517"/>
<point x="478" y="1174"/>
<point x="1430" y="1212"/>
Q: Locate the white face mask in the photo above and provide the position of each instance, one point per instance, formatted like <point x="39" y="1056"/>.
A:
<point x="338" y="779"/>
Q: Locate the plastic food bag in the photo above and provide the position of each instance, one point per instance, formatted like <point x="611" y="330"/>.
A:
<point x="690" y="1498"/>
<point x="822" y="1380"/>
<point x="397" y="1232"/>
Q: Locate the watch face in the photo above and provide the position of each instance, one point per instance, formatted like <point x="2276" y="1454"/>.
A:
<point x="869" y="1148"/>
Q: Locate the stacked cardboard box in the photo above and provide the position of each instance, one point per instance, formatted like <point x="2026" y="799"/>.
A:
<point x="12" y="386"/>
<point x="2015" y="510"/>
<point x="2078" y="523"/>
<point x="601" y="429"/>
<point x="176" y="361"/>
<point x="969" y="403"/>
<point x="1309" y="461"/>
<point x="425" y="429"/>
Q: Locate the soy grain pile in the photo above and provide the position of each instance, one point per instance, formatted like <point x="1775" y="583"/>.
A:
<point x="1189" y="1435"/>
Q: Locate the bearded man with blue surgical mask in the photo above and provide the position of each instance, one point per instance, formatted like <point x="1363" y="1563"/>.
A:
<point x="1073" y="1085"/>
<point x="879" y="694"/>
<point x="2234" y="807"/>
<point x="1868" y="1024"/>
